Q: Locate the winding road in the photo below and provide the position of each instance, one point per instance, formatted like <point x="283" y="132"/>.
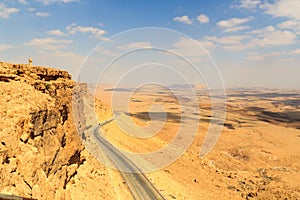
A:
<point x="138" y="183"/>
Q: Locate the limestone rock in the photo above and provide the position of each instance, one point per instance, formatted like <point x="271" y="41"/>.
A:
<point x="40" y="149"/>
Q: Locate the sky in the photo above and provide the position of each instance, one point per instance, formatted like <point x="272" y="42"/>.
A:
<point x="247" y="43"/>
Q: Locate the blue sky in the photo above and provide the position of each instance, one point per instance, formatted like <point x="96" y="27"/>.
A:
<point x="253" y="42"/>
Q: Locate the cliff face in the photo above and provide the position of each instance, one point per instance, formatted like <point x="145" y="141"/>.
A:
<point x="40" y="150"/>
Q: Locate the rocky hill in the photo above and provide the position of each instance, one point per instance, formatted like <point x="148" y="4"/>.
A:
<point x="40" y="150"/>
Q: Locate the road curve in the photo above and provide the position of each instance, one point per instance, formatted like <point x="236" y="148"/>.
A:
<point x="138" y="183"/>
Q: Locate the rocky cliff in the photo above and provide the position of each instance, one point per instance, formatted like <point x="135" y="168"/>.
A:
<point x="40" y="150"/>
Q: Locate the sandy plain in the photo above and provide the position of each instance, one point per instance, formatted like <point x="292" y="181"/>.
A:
<point x="256" y="157"/>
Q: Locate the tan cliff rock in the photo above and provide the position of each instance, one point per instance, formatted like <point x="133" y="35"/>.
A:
<point x="40" y="150"/>
<point x="41" y="153"/>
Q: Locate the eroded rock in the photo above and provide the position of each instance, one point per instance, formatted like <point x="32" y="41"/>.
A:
<point x="40" y="149"/>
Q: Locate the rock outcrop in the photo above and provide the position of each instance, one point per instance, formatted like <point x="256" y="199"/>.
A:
<point x="40" y="150"/>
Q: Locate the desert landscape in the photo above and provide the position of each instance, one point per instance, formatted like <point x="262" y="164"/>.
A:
<point x="43" y="157"/>
<point x="257" y="155"/>
<point x="149" y="100"/>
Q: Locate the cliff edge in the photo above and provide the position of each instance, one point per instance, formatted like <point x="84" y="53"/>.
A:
<point x="40" y="150"/>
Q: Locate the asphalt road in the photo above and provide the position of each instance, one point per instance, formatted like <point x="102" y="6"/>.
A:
<point x="138" y="183"/>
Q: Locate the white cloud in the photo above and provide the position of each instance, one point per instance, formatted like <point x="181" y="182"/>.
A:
<point x="238" y="47"/>
<point x="31" y="9"/>
<point x="183" y="19"/>
<point x="48" y="43"/>
<point x="135" y="45"/>
<point x="42" y="14"/>
<point x="232" y="42"/>
<point x="261" y="56"/>
<point x="95" y="32"/>
<point x="192" y="49"/>
<point x="283" y="8"/>
<point x="5" y="12"/>
<point x="55" y="32"/>
<point x="289" y="24"/>
<point x="296" y="51"/>
<point x="293" y="25"/>
<point x="74" y="28"/>
<point x="268" y="36"/>
<point x="233" y="24"/>
<point x="24" y="2"/>
<point x="4" y="47"/>
<point x="254" y="56"/>
<point x="272" y="36"/>
<point x="231" y="39"/>
<point x="236" y="29"/>
<point x="208" y="45"/>
<point x="247" y="4"/>
<point x="202" y="19"/>
<point x="47" y="2"/>
<point x="186" y="43"/>
<point x="277" y="8"/>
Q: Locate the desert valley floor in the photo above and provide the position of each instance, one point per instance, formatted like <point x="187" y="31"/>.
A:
<point x="257" y="155"/>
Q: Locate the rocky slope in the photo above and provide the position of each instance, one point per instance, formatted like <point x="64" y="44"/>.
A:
<point x="40" y="150"/>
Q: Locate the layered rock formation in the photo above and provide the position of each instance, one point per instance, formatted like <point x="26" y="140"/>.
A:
<point x="40" y="150"/>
